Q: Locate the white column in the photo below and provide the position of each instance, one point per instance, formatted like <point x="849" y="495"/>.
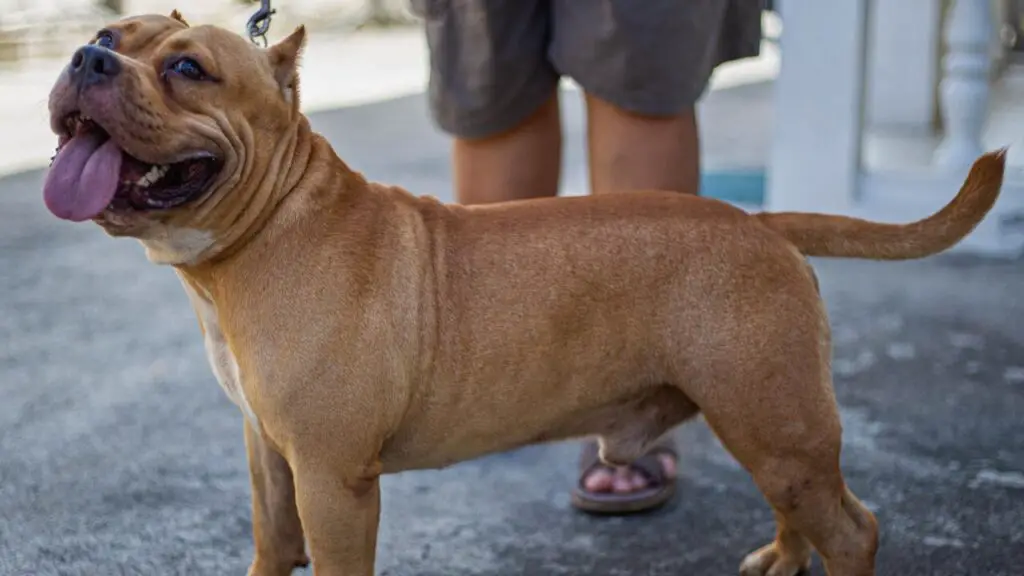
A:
<point x="815" y="157"/>
<point x="903" y="46"/>
<point x="964" y="89"/>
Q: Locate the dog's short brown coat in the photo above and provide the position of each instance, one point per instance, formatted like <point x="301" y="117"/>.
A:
<point x="366" y="331"/>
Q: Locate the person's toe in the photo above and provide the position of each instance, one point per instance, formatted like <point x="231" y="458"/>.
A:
<point x="639" y="481"/>
<point x="624" y="480"/>
<point x="668" y="464"/>
<point x="599" y="480"/>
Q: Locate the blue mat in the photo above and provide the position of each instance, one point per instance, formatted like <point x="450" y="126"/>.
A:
<point x="742" y="186"/>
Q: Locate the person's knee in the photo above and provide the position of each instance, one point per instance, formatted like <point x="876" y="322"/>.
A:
<point x="520" y="163"/>
<point x="539" y="122"/>
<point x="629" y="150"/>
<point x="681" y="120"/>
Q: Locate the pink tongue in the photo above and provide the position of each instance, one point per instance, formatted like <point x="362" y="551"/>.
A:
<point x="83" y="178"/>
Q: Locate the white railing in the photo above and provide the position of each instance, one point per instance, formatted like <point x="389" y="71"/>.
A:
<point x="965" y="86"/>
<point x="817" y="157"/>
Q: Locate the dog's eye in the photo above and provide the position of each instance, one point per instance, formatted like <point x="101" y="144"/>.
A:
<point x="105" y="40"/>
<point x="188" y="68"/>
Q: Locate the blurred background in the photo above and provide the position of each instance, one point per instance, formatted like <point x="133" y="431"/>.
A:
<point x="119" y="454"/>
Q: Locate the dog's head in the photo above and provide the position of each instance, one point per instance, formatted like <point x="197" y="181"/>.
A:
<point x="168" y="133"/>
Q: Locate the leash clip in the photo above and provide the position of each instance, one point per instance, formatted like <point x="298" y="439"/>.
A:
<point x="259" y="23"/>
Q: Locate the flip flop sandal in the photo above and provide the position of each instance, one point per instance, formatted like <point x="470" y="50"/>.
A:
<point x="659" y="490"/>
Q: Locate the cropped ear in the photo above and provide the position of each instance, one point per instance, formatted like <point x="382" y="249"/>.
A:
<point x="284" y="60"/>
<point x="175" y="15"/>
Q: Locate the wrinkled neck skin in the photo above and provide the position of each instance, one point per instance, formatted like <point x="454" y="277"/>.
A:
<point x="229" y="217"/>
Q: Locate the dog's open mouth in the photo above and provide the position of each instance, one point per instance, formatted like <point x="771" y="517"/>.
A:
<point x="90" y="174"/>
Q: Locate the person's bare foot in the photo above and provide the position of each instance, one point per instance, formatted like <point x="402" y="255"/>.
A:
<point x="623" y="480"/>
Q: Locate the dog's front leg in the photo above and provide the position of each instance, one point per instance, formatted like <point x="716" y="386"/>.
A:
<point x="339" y="503"/>
<point x="277" y="532"/>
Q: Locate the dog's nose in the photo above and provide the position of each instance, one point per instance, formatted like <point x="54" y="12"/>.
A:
<point x="94" y="65"/>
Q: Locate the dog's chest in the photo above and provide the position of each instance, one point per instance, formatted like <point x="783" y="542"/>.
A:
<point x="218" y="353"/>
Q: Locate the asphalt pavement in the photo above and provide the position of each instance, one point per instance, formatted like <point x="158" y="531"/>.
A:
<point x="119" y="454"/>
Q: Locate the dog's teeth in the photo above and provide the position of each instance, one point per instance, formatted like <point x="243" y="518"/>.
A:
<point x="76" y="124"/>
<point x="155" y="173"/>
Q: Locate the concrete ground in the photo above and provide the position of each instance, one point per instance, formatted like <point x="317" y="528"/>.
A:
<point x="119" y="454"/>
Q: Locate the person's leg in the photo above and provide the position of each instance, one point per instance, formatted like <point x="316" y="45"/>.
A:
<point x="629" y="151"/>
<point x="523" y="162"/>
<point x="642" y="72"/>
<point x="494" y="91"/>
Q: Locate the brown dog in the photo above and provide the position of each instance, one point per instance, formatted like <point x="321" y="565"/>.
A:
<point x="365" y="331"/>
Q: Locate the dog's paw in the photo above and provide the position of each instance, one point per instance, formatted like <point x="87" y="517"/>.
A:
<point x="772" y="560"/>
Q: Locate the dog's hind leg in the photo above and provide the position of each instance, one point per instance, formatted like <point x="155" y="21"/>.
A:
<point x="779" y="418"/>
<point x="842" y="530"/>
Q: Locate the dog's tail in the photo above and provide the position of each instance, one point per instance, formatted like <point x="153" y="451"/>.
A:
<point x="843" y="237"/>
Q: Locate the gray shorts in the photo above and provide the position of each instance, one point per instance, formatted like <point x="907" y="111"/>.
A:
<point x="494" y="62"/>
